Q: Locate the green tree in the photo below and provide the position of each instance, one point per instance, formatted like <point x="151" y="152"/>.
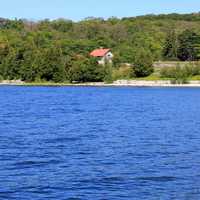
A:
<point x="50" y="50"/>
<point x="170" y="46"/>
<point x="86" y="70"/>
<point x="53" y="66"/>
<point x="10" y="66"/>
<point x="31" y="68"/>
<point x="189" y="42"/>
<point x="143" y="65"/>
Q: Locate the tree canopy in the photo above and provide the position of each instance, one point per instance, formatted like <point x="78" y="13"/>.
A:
<point x="59" y="50"/>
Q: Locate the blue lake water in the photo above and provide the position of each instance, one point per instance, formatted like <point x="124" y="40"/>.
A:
<point x="87" y="143"/>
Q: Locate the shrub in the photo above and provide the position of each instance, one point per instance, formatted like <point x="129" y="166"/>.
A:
<point x="86" y="70"/>
<point x="123" y="72"/>
<point x="193" y="69"/>
<point x="1" y="78"/>
<point x="167" y="72"/>
<point x="143" y="65"/>
<point x="178" y="75"/>
<point x="108" y="78"/>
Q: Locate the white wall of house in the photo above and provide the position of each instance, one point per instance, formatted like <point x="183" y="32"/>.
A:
<point x="107" y="58"/>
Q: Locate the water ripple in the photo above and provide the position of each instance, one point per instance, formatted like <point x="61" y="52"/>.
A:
<point x="87" y="143"/>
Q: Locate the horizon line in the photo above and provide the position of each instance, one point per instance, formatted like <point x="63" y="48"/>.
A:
<point x="97" y="17"/>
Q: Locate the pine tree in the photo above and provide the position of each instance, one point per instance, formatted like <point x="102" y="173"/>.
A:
<point x="170" y="46"/>
<point x="189" y="46"/>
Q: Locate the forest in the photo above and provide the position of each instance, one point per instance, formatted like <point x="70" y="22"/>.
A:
<point x="58" y="50"/>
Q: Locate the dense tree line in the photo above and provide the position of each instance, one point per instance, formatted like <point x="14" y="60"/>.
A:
<point x="59" y="50"/>
<point x="184" y="46"/>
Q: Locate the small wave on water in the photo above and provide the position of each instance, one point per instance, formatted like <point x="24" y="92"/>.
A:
<point x="116" y="144"/>
<point x="158" y="178"/>
<point x="32" y="164"/>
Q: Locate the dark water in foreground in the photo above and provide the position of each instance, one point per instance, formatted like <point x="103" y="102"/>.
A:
<point x="99" y="143"/>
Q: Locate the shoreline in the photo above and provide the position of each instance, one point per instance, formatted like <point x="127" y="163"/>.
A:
<point x="119" y="83"/>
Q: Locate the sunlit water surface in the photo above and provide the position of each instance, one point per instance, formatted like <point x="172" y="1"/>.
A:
<point x="88" y="143"/>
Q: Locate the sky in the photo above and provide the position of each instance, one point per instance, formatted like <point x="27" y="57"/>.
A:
<point x="80" y="9"/>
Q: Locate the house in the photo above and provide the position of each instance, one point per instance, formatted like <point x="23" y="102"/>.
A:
<point x="104" y="55"/>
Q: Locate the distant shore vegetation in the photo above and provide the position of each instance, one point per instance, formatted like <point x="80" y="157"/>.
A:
<point x="58" y="50"/>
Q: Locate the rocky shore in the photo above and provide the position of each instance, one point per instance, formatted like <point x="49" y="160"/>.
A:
<point x="159" y="83"/>
<point x="12" y="82"/>
<point x="122" y="83"/>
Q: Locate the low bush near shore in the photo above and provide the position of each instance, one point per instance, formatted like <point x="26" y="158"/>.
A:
<point x="123" y="72"/>
<point x="180" y="75"/>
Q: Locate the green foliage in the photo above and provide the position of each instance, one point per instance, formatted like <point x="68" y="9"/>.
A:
<point x="86" y="70"/>
<point x="108" y="78"/>
<point x="14" y="24"/>
<point x="177" y="74"/>
<point x="126" y="54"/>
<point x="189" y="42"/>
<point x="143" y="65"/>
<point x="171" y="46"/>
<point x="192" y="69"/>
<point x="1" y="78"/>
<point x="180" y="74"/>
<point x="123" y="72"/>
<point x="10" y="66"/>
<point x="58" y="50"/>
<point x="62" y="25"/>
<point x="180" y="77"/>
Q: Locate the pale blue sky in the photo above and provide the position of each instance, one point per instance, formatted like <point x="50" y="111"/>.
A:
<point x="80" y="9"/>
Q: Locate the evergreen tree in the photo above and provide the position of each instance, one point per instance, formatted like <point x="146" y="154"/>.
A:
<point x="170" y="46"/>
<point x="143" y="65"/>
<point x="86" y="70"/>
<point x="189" y="42"/>
<point x="10" y="65"/>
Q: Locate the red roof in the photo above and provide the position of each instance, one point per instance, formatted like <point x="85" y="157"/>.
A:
<point x="99" y="52"/>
